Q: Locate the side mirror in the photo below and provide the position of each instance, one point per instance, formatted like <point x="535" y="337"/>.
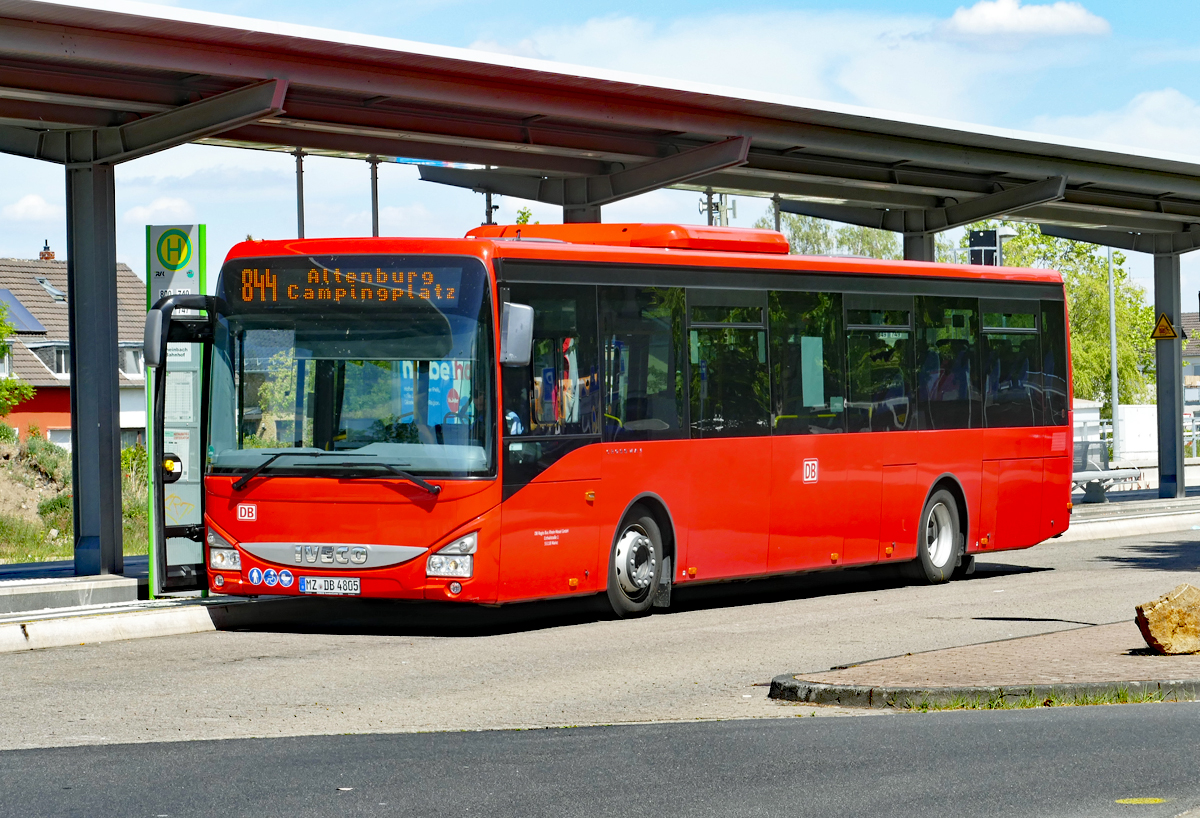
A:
<point x="158" y="322"/>
<point x="154" y="339"/>
<point x="516" y="334"/>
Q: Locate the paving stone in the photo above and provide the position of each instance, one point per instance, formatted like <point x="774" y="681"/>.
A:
<point x="1101" y="653"/>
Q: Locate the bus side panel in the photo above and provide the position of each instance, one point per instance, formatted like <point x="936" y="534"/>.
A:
<point x="1016" y="486"/>
<point x="1056" y="493"/>
<point x="1056" y="483"/>
<point x="730" y="508"/>
<point x="807" y="501"/>
<point x="900" y="511"/>
<point x="862" y="501"/>
<point x="956" y="452"/>
<point x="549" y="530"/>
<point x="633" y="469"/>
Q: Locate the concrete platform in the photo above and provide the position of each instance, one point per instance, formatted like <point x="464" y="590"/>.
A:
<point x="40" y="586"/>
<point x="1135" y="514"/>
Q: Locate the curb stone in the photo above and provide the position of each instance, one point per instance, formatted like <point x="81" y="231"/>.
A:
<point x="789" y="688"/>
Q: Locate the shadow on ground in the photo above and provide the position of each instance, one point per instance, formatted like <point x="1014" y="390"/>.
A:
<point x="402" y="618"/>
<point x="1157" y="556"/>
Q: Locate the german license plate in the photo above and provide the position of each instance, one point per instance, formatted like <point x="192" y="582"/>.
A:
<point x="331" y="586"/>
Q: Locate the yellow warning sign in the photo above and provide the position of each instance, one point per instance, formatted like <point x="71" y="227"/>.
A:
<point x="1163" y="330"/>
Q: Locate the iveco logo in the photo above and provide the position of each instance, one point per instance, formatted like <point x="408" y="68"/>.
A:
<point x="322" y="556"/>
<point x="331" y="554"/>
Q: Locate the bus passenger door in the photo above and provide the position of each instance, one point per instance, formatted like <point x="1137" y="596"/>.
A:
<point x="809" y="500"/>
<point x="551" y="449"/>
<point x="730" y="415"/>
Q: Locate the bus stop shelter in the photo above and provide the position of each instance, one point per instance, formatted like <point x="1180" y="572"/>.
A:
<point x="88" y="88"/>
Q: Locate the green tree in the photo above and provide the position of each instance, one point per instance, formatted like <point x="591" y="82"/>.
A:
<point x="867" y="241"/>
<point x="809" y="236"/>
<point x="1085" y="272"/>
<point x="806" y="236"/>
<point x="13" y="390"/>
<point x="524" y="215"/>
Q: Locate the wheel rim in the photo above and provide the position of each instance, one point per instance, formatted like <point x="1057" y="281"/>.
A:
<point x="634" y="561"/>
<point x="939" y="535"/>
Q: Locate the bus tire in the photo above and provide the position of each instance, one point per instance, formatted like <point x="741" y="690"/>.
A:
<point x="635" y="564"/>
<point x="939" y="539"/>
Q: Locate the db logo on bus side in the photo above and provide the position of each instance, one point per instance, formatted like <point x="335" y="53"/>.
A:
<point x="810" y="471"/>
<point x="249" y="511"/>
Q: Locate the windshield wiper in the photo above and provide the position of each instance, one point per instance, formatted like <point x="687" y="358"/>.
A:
<point x="403" y="475"/>
<point x="241" y="482"/>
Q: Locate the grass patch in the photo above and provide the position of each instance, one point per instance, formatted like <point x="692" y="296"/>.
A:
<point x="50" y="536"/>
<point x="998" y="701"/>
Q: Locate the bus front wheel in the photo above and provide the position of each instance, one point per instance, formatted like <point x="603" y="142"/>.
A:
<point x="635" y="564"/>
<point x="939" y="539"/>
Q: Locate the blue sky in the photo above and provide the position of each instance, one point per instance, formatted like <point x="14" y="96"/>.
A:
<point x="1118" y="72"/>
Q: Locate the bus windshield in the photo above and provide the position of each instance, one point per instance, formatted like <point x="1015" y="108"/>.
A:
<point x="353" y="364"/>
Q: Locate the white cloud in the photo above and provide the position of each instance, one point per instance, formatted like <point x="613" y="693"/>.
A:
<point x="843" y="56"/>
<point x="992" y="17"/>
<point x="1164" y="120"/>
<point x="525" y="48"/>
<point x="33" y="208"/>
<point x="163" y="210"/>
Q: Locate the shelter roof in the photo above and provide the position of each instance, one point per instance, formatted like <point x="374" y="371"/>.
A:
<point x="359" y="95"/>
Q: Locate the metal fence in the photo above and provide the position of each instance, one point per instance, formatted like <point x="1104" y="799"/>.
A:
<point x="1101" y="432"/>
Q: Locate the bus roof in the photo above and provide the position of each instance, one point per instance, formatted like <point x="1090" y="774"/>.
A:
<point x="650" y="244"/>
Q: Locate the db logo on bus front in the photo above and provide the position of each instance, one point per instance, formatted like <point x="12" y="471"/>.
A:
<point x="810" y="471"/>
<point x="249" y="511"/>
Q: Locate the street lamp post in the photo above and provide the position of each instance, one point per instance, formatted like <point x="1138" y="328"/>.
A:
<point x="1112" y="351"/>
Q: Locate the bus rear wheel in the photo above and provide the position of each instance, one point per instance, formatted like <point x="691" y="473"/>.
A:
<point x="939" y="539"/>
<point x="635" y="564"/>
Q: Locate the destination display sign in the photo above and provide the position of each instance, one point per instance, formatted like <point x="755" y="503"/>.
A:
<point x="266" y="286"/>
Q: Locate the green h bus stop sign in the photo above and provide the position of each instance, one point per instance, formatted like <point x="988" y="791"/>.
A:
<point x="175" y="264"/>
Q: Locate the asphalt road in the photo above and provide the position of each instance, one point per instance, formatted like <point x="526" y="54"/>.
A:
<point x="1046" y="763"/>
<point x="372" y="668"/>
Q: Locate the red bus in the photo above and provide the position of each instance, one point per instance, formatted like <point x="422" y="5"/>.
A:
<point x="540" y="411"/>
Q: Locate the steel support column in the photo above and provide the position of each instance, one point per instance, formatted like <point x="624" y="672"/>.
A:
<point x="1168" y="361"/>
<point x="374" y="160"/>
<point x="95" y="395"/>
<point x="299" y="193"/>
<point x="581" y="215"/>
<point x="920" y="247"/>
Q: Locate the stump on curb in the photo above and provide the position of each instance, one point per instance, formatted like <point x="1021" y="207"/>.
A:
<point x="1171" y="623"/>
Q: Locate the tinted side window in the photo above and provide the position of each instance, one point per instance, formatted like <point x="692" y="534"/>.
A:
<point x="1054" y="363"/>
<point x="727" y="339"/>
<point x="559" y="392"/>
<point x="880" y="393"/>
<point x="948" y="383"/>
<point x="808" y="371"/>
<point x="641" y="330"/>
<point x="1012" y="377"/>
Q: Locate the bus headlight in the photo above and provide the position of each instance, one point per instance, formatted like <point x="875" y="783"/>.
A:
<point x="455" y="559"/>
<point x="222" y="556"/>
